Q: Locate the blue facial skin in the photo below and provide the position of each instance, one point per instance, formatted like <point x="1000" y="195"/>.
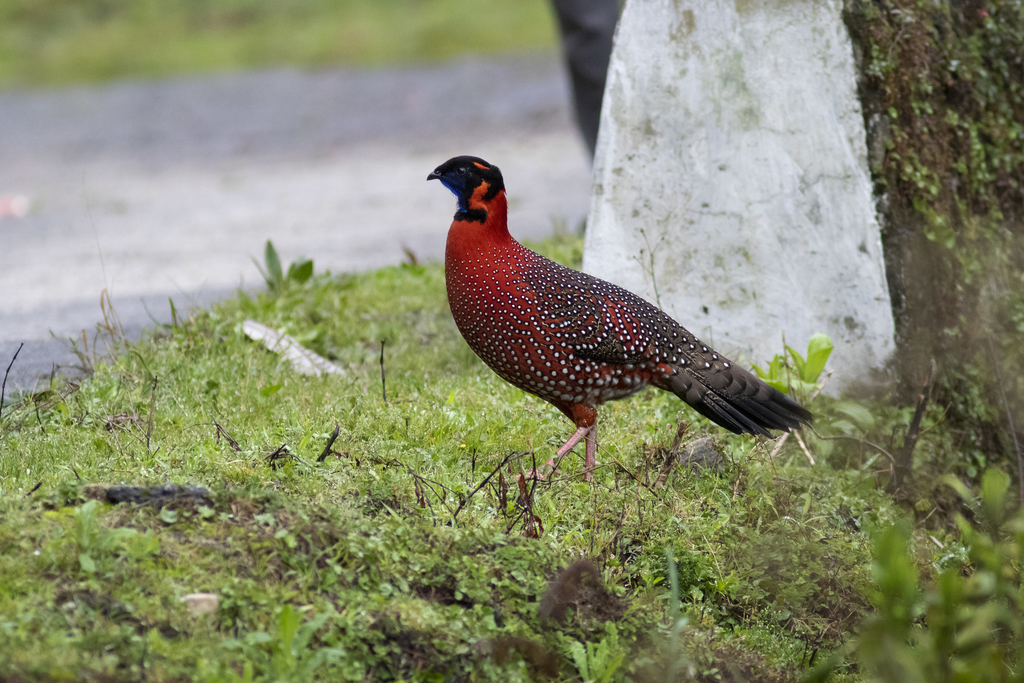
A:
<point x="457" y="185"/>
<point x="455" y="181"/>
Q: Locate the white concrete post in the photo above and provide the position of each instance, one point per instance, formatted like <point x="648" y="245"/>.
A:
<point x="731" y="183"/>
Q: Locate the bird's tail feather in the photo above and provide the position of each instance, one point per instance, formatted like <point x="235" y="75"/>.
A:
<point x="739" y="402"/>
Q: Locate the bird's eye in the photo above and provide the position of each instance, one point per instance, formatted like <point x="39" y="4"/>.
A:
<point x="462" y="170"/>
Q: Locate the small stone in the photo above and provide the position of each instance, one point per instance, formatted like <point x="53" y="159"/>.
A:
<point x="701" y="454"/>
<point x="201" y="603"/>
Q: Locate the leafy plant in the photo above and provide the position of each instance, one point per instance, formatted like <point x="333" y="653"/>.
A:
<point x="291" y="657"/>
<point x="965" y="627"/>
<point x="299" y="270"/>
<point x="600" y="662"/>
<point x="94" y="542"/>
<point x="677" y="622"/>
<point x="791" y="370"/>
<point x="286" y="654"/>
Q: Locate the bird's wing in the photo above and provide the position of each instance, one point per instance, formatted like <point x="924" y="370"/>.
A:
<point x="607" y="324"/>
<point x="620" y="336"/>
<point x="716" y="388"/>
<point x="591" y="316"/>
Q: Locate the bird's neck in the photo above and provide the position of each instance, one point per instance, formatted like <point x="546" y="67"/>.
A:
<point x="482" y="229"/>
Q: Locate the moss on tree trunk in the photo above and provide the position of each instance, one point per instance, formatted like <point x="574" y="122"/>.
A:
<point x="942" y="88"/>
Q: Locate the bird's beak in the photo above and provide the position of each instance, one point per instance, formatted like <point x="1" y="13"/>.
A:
<point x="434" y="175"/>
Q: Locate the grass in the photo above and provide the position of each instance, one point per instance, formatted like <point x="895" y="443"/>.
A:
<point x="56" y="42"/>
<point x="389" y="561"/>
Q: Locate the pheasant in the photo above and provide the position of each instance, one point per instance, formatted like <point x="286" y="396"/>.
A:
<point x="577" y="341"/>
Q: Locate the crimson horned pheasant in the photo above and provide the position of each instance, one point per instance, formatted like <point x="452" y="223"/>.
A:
<point x="577" y="341"/>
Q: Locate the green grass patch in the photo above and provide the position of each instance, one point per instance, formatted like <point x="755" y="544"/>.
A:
<point x="54" y="42"/>
<point x="389" y="560"/>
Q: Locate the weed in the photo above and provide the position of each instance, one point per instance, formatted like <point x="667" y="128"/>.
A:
<point x="966" y="624"/>
<point x="411" y="554"/>
<point x="299" y="271"/>
<point x="94" y="543"/>
<point x="599" y="662"/>
<point x="790" y="373"/>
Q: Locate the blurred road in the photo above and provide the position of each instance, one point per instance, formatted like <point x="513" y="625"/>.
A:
<point x="166" y="189"/>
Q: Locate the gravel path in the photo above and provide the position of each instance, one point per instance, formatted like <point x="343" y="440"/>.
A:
<point x="166" y="189"/>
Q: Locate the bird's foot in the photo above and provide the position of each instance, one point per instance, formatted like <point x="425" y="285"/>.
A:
<point x="536" y="474"/>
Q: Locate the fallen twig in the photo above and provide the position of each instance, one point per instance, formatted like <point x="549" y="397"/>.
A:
<point x="778" y="446"/>
<point x="533" y="527"/>
<point x="782" y="439"/>
<point x="613" y="541"/>
<point x="383" y="386"/>
<point x="330" y="442"/>
<point x="501" y="492"/>
<point x="227" y="437"/>
<point x="3" y="388"/>
<point x="482" y="484"/>
<point x="807" y="452"/>
<point x="904" y="462"/>
<point x="892" y="459"/>
<point x="152" y="409"/>
<point x="671" y="455"/>
<point x="631" y="475"/>
<point x="420" y="480"/>
<point x="280" y="453"/>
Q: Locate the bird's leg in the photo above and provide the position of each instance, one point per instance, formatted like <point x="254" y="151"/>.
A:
<point x="590" y="434"/>
<point x="573" y="440"/>
<point x="579" y="434"/>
